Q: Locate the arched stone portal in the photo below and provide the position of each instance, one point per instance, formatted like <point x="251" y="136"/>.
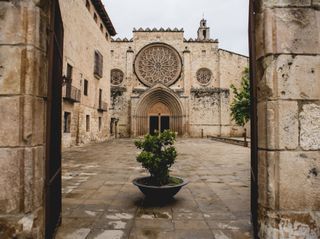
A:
<point x="158" y="102"/>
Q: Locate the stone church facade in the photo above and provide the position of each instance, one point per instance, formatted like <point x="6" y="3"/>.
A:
<point x="109" y="89"/>
<point x="160" y="80"/>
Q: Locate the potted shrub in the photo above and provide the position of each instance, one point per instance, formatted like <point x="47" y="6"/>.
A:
<point x="157" y="156"/>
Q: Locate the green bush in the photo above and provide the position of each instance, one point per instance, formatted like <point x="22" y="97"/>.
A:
<point x="240" y="106"/>
<point x="158" y="155"/>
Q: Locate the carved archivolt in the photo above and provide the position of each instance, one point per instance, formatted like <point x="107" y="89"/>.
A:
<point x="204" y="76"/>
<point x="116" y="77"/>
<point x="158" y="63"/>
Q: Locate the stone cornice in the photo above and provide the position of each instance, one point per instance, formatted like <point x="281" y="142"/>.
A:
<point x="104" y="16"/>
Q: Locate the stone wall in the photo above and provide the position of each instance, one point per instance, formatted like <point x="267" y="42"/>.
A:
<point x="82" y="37"/>
<point x="23" y="91"/>
<point x="288" y="83"/>
<point x="231" y="67"/>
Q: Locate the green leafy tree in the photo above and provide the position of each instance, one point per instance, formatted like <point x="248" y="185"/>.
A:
<point x="158" y="155"/>
<point x="240" y="106"/>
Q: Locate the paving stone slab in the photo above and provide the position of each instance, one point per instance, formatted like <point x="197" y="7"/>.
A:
<point x="99" y="200"/>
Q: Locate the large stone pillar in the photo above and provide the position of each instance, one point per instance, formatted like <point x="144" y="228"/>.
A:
<point x="23" y="89"/>
<point x="288" y="88"/>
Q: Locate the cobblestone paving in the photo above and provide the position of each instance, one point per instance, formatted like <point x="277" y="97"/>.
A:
<point x="99" y="200"/>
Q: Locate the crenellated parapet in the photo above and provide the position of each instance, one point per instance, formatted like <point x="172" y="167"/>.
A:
<point x="157" y="30"/>
<point x="196" y="40"/>
<point x="122" y="40"/>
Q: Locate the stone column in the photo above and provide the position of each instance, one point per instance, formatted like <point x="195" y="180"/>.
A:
<point x="129" y="63"/>
<point x="134" y="117"/>
<point x="23" y="89"/>
<point x="288" y="81"/>
<point x="187" y="71"/>
<point x="187" y="82"/>
<point x="130" y="121"/>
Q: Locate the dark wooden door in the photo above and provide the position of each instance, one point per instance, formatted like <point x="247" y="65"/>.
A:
<point x="165" y="123"/>
<point x="253" y="120"/>
<point x="153" y="124"/>
<point x="53" y="141"/>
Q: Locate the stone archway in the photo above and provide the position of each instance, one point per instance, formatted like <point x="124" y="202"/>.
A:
<point x="158" y="101"/>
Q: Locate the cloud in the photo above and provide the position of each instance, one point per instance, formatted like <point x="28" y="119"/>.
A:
<point x="228" y="19"/>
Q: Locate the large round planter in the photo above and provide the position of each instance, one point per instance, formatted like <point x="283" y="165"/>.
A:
<point x="159" y="193"/>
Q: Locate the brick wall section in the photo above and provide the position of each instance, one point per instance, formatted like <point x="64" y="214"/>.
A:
<point x="288" y="71"/>
<point x="23" y="88"/>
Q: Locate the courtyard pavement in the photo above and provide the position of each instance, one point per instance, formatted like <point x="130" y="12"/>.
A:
<point x="100" y="202"/>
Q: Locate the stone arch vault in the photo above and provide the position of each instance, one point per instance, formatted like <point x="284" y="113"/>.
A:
<point x="165" y="96"/>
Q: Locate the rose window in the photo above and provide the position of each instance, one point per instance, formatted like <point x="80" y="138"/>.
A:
<point x="204" y="76"/>
<point x="116" y="77"/>
<point x="158" y="63"/>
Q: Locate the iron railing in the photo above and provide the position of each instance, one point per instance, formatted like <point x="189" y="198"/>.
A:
<point x="103" y="106"/>
<point x="71" y="93"/>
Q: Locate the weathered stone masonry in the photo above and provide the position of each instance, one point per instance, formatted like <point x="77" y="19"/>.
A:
<point x="159" y="64"/>
<point x="288" y="64"/>
<point x="23" y="91"/>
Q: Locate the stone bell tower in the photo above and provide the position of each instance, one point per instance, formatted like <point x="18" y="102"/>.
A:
<point x="203" y="31"/>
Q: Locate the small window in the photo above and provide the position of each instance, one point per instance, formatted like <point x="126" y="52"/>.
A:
<point x="87" y="123"/>
<point x="69" y="71"/>
<point x="88" y="5"/>
<point x="95" y="17"/>
<point x="107" y="36"/>
<point x="67" y="122"/>
<point x="100" y="99"/>
<point x="100" y="123"/>
<point x="101" y="27"/>
<point x="98" y="64"/>
<point x="205" y="34"/>
<point x="85" y="87"/>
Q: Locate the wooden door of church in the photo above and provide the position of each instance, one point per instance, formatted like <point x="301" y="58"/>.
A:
<point x="164" y="123"/>
<point x="153" y="124"/>
<point x="158" y="122"/>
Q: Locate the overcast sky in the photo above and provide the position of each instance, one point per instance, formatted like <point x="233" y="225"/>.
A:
<point x="227" y="19"/>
